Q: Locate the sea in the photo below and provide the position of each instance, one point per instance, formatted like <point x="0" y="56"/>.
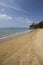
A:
<point x="9" y="31"/>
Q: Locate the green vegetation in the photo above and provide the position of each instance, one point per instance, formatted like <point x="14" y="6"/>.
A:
<point x="38" y="25"/>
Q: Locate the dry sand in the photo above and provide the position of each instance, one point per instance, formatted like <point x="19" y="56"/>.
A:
<point x="23" y="50"/>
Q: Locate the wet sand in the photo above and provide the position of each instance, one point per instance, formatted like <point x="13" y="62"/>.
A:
<point x="26" y="49"/>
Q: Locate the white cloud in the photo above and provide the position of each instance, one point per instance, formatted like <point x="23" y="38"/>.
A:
<point x="25" y="20"/>
<point x="19" y="19"/>
<point x="9" y="6"/>
<point x="5" y="17"/>
<point x="2" y="10"/>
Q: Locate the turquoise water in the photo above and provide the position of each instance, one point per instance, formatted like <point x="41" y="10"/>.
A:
<point x="9" y="31"/>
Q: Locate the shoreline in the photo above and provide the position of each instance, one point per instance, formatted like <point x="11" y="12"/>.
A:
<point x="14" y="35"/>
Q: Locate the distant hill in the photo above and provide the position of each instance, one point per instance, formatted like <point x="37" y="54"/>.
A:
<point x="38" y="25"/>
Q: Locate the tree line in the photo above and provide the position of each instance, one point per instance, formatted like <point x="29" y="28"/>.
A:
<point x="37" y="25"/>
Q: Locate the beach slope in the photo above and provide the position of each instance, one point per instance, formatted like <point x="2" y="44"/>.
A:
<point x="26" y="49"/>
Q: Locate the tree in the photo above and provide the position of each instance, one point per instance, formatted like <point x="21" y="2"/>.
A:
<point x="38" y="25"/>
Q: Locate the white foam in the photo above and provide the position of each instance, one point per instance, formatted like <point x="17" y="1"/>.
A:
<point x="15" y="34"/>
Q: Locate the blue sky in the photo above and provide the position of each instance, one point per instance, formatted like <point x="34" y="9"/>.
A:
<point x="20" y="13"/>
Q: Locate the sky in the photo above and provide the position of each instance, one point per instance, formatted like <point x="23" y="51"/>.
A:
<point x="20" y="13"/>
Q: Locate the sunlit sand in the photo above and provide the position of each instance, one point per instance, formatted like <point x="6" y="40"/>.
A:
<point x="26" y="49"/>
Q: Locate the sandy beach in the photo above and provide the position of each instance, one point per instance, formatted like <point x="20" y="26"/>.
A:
<point x="26" y="49"/>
